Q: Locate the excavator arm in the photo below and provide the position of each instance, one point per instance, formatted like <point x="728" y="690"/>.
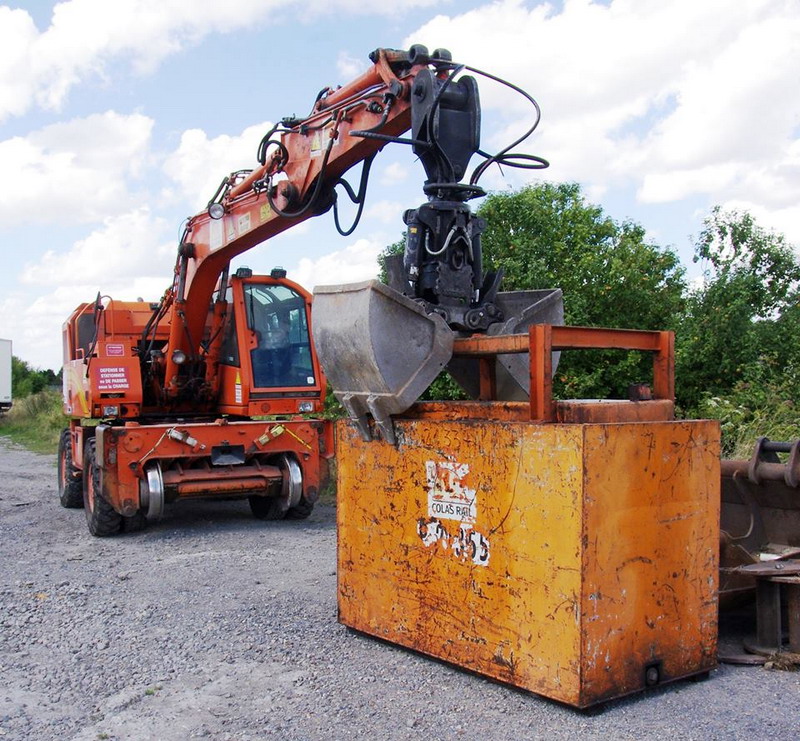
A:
<point x="302" y="163"/>
<point x="380" y="346"/>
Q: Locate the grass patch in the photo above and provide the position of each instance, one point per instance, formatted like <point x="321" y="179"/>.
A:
<point x="35" y="421"/>
<point x="759" y="406"/>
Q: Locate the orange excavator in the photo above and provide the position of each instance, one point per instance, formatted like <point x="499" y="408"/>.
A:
<point x="216" y="390"/>
<point x="566" y="547"/>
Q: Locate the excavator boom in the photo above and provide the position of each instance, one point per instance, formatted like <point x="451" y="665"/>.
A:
<point x="437" y="286"/>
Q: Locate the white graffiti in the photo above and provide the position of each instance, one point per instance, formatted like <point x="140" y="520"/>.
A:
<point x="466" y="545"/>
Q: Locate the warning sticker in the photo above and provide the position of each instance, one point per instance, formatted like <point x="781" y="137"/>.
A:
<point x="112" y="378"/>
<point x="215" y="234"/>
<point x="115" y="351"/>
<point x="448" y="497"/>
<point x="316" y="145"/>
<point x="244" y="223"/>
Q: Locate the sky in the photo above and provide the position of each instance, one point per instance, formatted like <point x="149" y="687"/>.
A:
<point x="119" y="118"/>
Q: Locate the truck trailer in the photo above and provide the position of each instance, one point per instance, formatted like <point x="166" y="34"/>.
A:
<point x="5" y="376"/>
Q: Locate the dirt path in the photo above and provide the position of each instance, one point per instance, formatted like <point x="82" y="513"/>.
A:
<point x="212" y="624"/>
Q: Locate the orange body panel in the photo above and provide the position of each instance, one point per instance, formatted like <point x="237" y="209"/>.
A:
<point x="112" y="374"/>
<point x="124" y="451"/>
<point x="571" y="560"/>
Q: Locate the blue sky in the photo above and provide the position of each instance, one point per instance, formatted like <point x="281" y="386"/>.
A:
<point x="118" y="119"/>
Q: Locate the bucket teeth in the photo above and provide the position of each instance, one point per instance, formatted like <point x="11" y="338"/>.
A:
<point x="379" y="349"/>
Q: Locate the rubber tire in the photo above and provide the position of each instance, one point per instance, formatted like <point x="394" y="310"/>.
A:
<point x="266" y="508"/>
<point x="70" y="485"/>
<point x="301" y="511"/>
<point x="103" y="520"/>
<point x="135" y="523"/>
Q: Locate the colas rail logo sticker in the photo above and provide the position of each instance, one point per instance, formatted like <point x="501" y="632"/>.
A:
<point x="450" y="499"/>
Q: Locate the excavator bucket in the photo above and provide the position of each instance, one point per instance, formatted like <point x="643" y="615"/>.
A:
<point x="521" y="309"/>
<point x="379" y="350"/>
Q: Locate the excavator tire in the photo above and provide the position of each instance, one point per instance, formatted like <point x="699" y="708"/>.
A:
<point x="70" y="488"/>
<point x="267" y="508"/>
<point x="103" y="520"/>
<point x="300" y="511"/>
<point x="135" y="523"/>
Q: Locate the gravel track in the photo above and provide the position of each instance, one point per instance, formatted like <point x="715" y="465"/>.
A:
<point x="214" y="625"/>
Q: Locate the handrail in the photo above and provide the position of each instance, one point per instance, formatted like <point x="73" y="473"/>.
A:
<point x="543" y="339"/>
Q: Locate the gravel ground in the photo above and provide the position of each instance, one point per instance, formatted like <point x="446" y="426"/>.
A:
<point x="214" y="625"/>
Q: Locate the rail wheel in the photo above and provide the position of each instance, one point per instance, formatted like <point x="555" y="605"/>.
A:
<point x="101" y="517"/>
<point x="289" y="503"/>
<point x="70" y="488"/>
<point x="151" y="493"/>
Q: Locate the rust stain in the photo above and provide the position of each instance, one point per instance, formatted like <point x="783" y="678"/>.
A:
<point x="588" y="577"/>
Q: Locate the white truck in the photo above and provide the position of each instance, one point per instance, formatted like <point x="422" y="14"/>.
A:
<point x="5" y="376"/>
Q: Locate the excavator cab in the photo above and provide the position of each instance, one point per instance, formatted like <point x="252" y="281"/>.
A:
<point x="268" y="364"/>
<point x="276" y="317"/>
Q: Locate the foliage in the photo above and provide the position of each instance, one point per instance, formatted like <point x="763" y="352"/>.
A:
<point x="26" y="380"/>
<point x="547" y="236"/>
<point x="763" y="404"/>
<point x="744" y="318"/>
<point x="36" y="421"/>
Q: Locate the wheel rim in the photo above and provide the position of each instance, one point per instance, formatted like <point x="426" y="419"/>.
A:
<point x="152" y="490"/>
<point x="62" y="472"/>
<point x="90" y="487"/>
<point x="293" y="481"/>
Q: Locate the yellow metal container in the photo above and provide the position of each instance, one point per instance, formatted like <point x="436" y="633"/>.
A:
<point x="578" y="561"/>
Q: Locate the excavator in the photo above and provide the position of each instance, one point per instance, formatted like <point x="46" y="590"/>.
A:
<point x="216" y="390"/>
<point x="567" y="547"/>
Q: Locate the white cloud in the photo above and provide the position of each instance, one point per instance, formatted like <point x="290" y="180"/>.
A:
<point x="673" y="98"/>
<point x="387" y="212"/>
<point x="356" y="262"/>
<point x="17" y="78"/>
<point x="393" y="174"/>
<point x="85" y="36"/>
<point x="74" y="171"/>
<point x="199" y="164"/>
<point x="129" y="257"/>
<point x="349" y="66"/>
<point x="128" y="248"/>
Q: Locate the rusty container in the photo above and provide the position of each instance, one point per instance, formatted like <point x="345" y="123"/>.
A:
<point x="577" y="561"/>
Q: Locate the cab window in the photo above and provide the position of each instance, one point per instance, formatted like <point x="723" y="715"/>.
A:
<point x="277" y="317"/>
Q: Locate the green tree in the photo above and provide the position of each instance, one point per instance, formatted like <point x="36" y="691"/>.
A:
<point x="548" y="236"/>
<point x="740" y="325"/>
<point x="26" y="380"/>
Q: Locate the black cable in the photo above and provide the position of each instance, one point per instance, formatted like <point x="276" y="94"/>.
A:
<point x="264" y="143"/>
<point x="314" y="195"/>
<point x="358" y="198"/>
<point x="378" y="126"/>
<point x="436" y="103"/>
<point x="537" y="162"/>
<point x="367" y="134"/>
<point x="503" y="157"/>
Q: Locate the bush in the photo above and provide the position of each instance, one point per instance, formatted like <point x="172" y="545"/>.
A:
<point x="764" y="404"/>
<point x="36" y="421"/>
